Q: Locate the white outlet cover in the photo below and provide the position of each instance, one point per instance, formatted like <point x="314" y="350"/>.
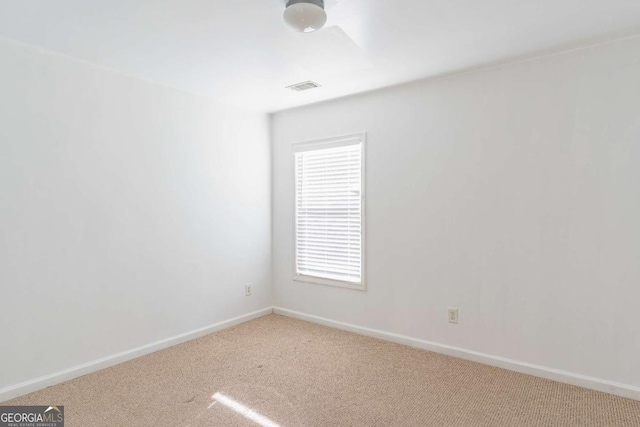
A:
<point x="453" y="315"/>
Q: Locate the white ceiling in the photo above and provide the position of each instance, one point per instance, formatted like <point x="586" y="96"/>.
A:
<point x="240" y="52"/>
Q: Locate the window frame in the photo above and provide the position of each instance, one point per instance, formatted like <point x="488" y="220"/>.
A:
<point x="337" y="141"/>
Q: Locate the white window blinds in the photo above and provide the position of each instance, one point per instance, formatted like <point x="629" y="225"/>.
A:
<point x="329" y="210"/>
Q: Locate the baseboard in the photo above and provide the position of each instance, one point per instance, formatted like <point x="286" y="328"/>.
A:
<point x="579" y="380"/>
<point x="36" y="384"/>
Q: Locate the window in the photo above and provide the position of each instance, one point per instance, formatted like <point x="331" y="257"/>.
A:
<point x="329" y="211"/>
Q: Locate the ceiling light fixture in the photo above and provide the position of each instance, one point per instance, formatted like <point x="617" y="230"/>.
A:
<point x="305" y="15"/>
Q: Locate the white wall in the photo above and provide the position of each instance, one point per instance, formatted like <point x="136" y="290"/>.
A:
<point x="511" y="193"/>
<point x="129" y="212"/>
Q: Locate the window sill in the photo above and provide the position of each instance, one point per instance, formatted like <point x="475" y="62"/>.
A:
<point x="329" y="282"/>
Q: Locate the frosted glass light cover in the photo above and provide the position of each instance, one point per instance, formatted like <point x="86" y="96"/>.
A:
<point x="305" y="17"/>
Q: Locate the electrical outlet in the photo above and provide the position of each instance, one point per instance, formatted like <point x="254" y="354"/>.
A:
<point x="248" y="290"/>
<point x="453" y="315"/>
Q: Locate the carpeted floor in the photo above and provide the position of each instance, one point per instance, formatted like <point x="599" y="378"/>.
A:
<point x="280" y="371"/>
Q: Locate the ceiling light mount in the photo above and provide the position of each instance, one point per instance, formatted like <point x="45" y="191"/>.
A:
<point x="305" y="15"/>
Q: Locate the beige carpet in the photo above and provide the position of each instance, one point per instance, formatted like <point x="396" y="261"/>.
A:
<point x="281" y="371"/>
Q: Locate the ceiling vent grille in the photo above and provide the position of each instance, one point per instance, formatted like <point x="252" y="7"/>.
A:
<point x="299" y="87"/>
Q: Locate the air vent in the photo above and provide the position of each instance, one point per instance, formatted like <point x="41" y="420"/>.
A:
<point x="299" y="87"/>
